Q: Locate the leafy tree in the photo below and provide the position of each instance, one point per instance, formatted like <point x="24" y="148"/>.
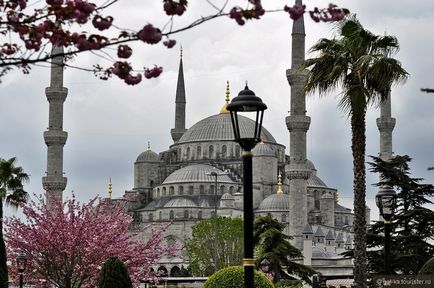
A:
<point x="361" y="64"/>
<point x="272" y="244"/>
<point x="413" y="224"/>
<point x="12" y="193"/>
<point x="233" y="277"/>
<point x="114" y="274"/>
<point x="80" y="26"/>
<point x="67" y="245"/>
<point x="216" y="243"/>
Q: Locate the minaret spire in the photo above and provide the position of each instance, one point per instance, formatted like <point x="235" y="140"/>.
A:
<point x="298" y="125"/>
<point x="385" y="125"/>
<point x="55" y="138"/>
<point x="179" y="129"/>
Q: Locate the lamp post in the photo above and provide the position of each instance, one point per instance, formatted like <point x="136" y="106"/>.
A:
<point x="215" y="174"/>
<point x="21" y="264"/>
<point x="386" y="203"/>
<point x="247" y="101"/>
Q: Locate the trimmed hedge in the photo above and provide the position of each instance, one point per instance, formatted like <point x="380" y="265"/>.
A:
<point x="428" y="267"/>
<point x="233" y="277"/>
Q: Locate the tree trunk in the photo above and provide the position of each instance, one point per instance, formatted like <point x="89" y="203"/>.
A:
<point x="358" y="149"/>
<point x="3" y="266"/>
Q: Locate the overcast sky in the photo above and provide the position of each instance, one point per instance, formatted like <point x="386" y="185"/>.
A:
<point x="110" y="123"/>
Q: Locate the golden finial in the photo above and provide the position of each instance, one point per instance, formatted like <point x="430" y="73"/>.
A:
<point x="227" y="99"/>
<point x="279" y="184"/>
<point x="337" y="197"/>
<point x="110" y="189"/>
<point x="149" y="146"/>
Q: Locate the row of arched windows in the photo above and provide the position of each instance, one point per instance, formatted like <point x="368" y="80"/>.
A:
<point x="186" y="215"/>
<point x="170" y="191"/>
<point x="212" y="153"/>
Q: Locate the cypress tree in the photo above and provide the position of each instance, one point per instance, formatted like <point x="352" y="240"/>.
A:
<point x="114" y="274"/>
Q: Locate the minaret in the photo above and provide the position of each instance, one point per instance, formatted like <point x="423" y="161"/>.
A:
<point x="385" y="124"/>
<point x="179" y="129"/>
<point x="298" y="124"/>
<point x="110" y="189"/>
<point x="55" y="138"/>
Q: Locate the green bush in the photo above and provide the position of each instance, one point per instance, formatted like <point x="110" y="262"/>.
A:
<point x="114" y="274"/>
<point x="428" y="267"/>
<point x="233" y="277"/>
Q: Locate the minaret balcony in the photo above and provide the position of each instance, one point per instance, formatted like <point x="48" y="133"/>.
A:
<point x="56" y="94"/>
<point x="54" y="183"/>
<point x="386" y="124"/>
<point x="296" y="76"/>
<point x="55" y="137"/>
<point x="298" y="123"/>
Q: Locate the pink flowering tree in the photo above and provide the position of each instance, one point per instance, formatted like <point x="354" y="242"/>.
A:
<point x="27" y="30"/>
<point x="67" y="245"/>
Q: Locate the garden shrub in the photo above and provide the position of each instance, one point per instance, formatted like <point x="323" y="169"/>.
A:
<point x="428" y="267"/>
<point x="114" y="274"/>
<point x="233" y="277"/>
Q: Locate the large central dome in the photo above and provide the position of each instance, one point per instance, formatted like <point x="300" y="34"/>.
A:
<point x="219" y="128"/>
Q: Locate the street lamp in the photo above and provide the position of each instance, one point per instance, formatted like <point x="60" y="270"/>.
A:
<point x="215" y="174"/>
<point x="386" y="203"/>
<point x="21" y="264"/>
<point x="247" y="101"/>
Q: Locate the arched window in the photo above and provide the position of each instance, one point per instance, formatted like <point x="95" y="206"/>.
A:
<point x="190" y="190"/>
<point x="201" y="189"/>
<point x="224" y="151"/>
<point x="151" y="217"/>
<point x="199" y="215"/>
<point x="171" y="190"/>
<point x="160" y="215"/>
<point x="151" y="183"/>
<point x="231" y="189"/>
<point x="185" y="214"/>
<point x="181" y="190"/>
<point x="188" y="153"/>
<point x="158" y="192"/>
<point x="222" y="190"/>
<point x="171" y="215"/>
<point x="164" y="191"/>
<point x="198" y="152"/>
<point x="211" y="189"/>
<point x="283" y="218"/>
<point x="211" y="151"/>
<point x="237" y="151"/>
<point x="346" y="220"/>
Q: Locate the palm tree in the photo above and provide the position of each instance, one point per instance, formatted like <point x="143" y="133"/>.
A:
<point x="12" y="192"/>
<point x="361" y="64"/>
<point x="272" y="245"/>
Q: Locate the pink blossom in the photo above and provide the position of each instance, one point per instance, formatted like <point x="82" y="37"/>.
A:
<point x="154" y="72"/>
<point x="71" y="242"/>
<point x="124" y="51"/>
<point x="169" y="43"/>
<point x="149" y="34"/>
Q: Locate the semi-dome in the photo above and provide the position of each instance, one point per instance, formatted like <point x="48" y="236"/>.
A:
<point x="148" y="156"/>
<point x="219" y="128"/>
<point x="197" y="173"/>
<point x="315" y="181"/>
<point x="263" y="149"/>
<point x="180" y="202"/>
<point x="275" y="202"/>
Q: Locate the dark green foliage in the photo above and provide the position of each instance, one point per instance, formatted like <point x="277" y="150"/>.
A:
<point x="413" y="223"/>
<point x="428" y="268"/>
<point x="114" y="274"/>
<point x="272" y="244"/>
<point x="233" y="277"/>
<point x="12" y="192"/>
<point x="216" y="242"/>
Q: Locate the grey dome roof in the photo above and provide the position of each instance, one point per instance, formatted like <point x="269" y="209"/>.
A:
<point x="275" y="202"/>
<point x="227" y="196"/>
<point x="197" y="173"/>
<point x="180" y="202"/>
<point x="219" y="127"/>
<point x="310" y="165"/>
<point x="320" y="253"/>
<point x="263" y="149"/>
<point x="148" y="156"/>
<point x="315" y="181"/>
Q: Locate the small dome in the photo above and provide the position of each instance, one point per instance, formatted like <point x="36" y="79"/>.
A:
<point x="315" y="181"/>
<point x="148" y="156"/>
<point x="263" y="149"/>
<point x="327" y="195"/>
<point x="179" y="202"/>
<point x="275" y="202"/>
<point x="197" y="173"/>
<point x="320" y="253"/>
<point x="310" y="165"/>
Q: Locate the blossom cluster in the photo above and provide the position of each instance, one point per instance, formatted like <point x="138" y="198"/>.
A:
<point x="71" y="241"/>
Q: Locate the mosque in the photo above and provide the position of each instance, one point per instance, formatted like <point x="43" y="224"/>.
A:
<point x="200" y="174"/>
